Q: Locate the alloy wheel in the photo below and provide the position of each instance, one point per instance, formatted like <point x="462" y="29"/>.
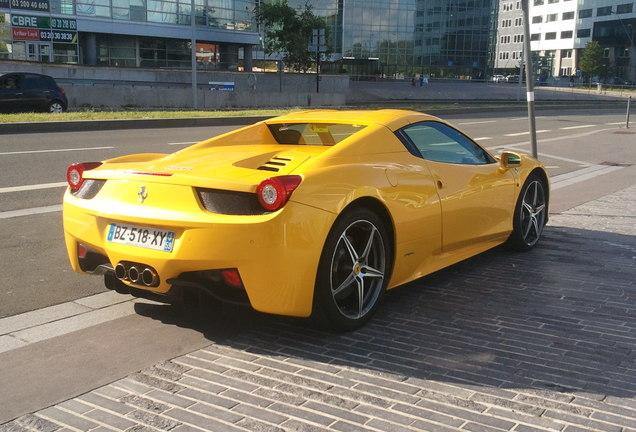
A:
<point x="533" y="213"/>
<point x="358" y="268"/>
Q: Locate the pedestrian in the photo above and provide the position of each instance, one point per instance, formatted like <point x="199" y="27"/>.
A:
<point x="413" y="82"/>
<point x="421" y="80"/>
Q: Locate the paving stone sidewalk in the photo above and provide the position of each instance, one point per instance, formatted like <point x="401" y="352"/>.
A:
<point x="538" y="341"/>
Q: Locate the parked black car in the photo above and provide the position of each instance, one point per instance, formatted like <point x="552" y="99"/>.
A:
<point x="25" y="91"/>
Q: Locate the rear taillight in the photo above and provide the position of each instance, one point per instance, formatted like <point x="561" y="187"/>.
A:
<point x="274" y="192"/>
<point x="74" y="173"/>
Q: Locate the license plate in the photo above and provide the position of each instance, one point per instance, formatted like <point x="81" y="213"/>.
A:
<point x="133" y="235"/>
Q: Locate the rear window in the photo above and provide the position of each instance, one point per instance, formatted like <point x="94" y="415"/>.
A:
<point x="317" y="134"/>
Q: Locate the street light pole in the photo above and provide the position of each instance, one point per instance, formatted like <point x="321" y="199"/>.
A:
<point x="193" y="43"/>
<point x="527" y="57"/>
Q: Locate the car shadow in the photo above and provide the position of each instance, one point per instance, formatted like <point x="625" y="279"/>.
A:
<point x="560" y="318"/>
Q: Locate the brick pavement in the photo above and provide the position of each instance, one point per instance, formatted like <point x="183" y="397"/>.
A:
<point x="538" y="341"/>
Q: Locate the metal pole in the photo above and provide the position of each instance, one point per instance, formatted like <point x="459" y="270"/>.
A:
<point x="193" y="42"/>
<point x="629" y="104"/>
<point x="318" y="72"/>
<point x="527" y="54"/>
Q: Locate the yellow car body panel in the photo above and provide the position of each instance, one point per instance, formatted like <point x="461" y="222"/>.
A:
<point x="438" y="213"/>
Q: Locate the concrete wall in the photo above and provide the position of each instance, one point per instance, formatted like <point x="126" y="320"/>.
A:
<point x="88" y="87"/>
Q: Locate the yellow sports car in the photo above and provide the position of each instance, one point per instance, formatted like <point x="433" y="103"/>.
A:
<point x="315" y="213"/>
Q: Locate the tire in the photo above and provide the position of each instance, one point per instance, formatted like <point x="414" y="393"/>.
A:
<point x="55" y="107"/>
<point x="530" y="215"/>
<point x="353" y="272"/>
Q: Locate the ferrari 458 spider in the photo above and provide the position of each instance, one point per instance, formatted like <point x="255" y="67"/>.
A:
<point x="315" y="213"/>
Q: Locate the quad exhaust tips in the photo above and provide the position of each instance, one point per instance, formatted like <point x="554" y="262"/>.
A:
<point x="139" y="274"/>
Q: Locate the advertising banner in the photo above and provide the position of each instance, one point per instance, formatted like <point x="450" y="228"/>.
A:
<point x="34" y="5"/>
<point x="25" y="34"/>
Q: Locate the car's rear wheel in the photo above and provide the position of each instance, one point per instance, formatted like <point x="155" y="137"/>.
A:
<point x="530" y="215"/>
<point x="353" y="272"/>
<point x="55" y="107"/>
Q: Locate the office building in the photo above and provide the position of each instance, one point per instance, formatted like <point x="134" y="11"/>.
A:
<point x="560" y="30"/>
<point x="509" y="37"/>
<point x="443" y="38"/>
<point x="128" y="33"/>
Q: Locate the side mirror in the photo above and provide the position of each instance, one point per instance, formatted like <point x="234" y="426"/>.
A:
<point x="510" y="160"/>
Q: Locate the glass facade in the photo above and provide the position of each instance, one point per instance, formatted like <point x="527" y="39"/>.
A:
<point x="73" y="31"/>
<point x="397" y="38"/>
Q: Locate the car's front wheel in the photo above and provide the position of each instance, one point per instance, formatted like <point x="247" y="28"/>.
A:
<point x="354" y="270"/>
<point x="55" y="107"/>
<point x="530" y="214"/>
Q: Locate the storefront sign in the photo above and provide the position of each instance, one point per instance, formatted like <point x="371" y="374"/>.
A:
<point x="25" y="34"/>
<point x="36" y="5"/>
<point x="58" y="36"/>
<point x="30" y="21"/>
<point x="43" y="22"/>
<point x="63" y="24"/>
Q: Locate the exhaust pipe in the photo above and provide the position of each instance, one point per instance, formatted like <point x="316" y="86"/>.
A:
<point x="133" y="274"/>
<point x="149" y="277"/>
<point x="120" y="271"/>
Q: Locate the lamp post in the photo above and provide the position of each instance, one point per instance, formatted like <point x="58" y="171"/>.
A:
<point x="527" y="57"/>
<point x="193" y="43"/>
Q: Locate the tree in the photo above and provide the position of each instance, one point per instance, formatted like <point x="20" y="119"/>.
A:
<point x="289" y="32"/>
<point x="592" y="61"/>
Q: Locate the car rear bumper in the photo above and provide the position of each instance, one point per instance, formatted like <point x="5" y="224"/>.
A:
<point x="275" y="254"/>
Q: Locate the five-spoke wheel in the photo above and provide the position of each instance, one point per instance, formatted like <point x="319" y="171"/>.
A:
<point x="354" y="270"/>
<point x="530" y="215"/>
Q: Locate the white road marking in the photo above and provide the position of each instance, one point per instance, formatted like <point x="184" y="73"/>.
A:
<point x="526" y="133"/>
<point x="30" y="211"/>
<point x="615" y="123"/>
<point x="478" y="122"/>
<point x="483" y="138"/>
<point x="32" y="187"/>
<point x="578" y="127"/>
<point x="54" y="150"/>
<point x="547" y="140"/>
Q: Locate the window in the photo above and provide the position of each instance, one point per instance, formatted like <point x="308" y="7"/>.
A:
<point x="625" y="8"/>
<point x="315" y="134"/>
<point x="440" y="143"/>
<point x="606" y="53"/>
<point x="583" y="33"/>
<point x="585" y="13"/>
<point x="552" y="17"/>
<point x="535" y="37"/>
<point x="550" y="36"/>
<point x="553" y="1"/>
<point x="567" y="16"/>
<point x="566" y="53"/>
<point x="538" y="2"/>
<point x="566" y="34"/>
<point x="537" y="19"/>
<point x="604" y="11"/>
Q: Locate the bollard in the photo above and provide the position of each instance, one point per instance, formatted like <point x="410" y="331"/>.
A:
<point x="629" y="103"/>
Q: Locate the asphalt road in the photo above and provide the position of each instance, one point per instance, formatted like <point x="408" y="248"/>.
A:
<point x="33" y="258"/>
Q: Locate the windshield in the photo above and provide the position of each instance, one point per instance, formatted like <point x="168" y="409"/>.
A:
<point x="319" y="134"/>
